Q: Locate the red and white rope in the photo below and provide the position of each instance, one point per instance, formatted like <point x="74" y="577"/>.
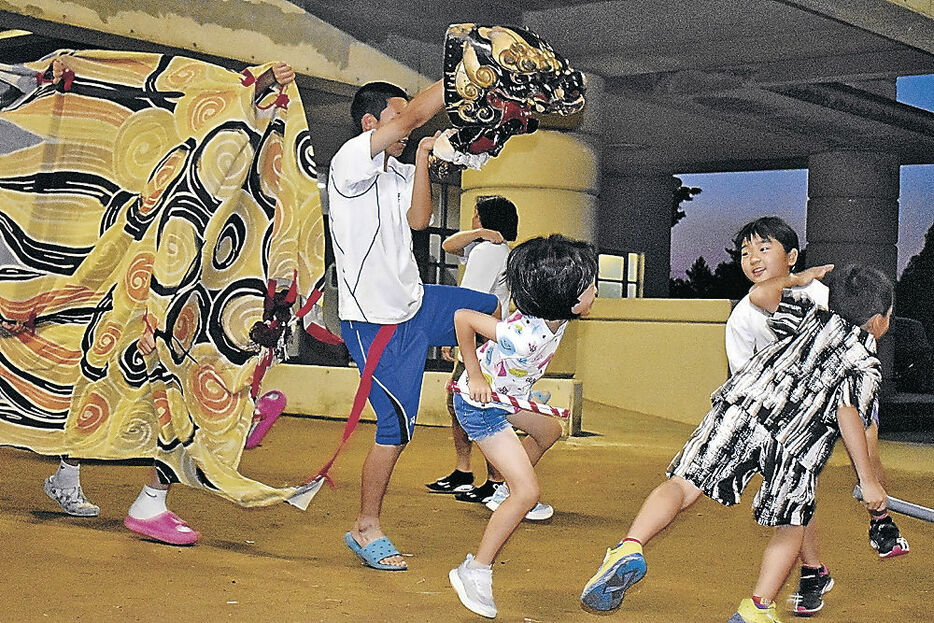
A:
<point x="527" y="405"/>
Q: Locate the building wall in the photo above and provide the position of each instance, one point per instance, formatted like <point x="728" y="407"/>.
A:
<point x="662" y="357"/>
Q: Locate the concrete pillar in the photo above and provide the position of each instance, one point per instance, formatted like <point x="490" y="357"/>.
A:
<point x="852" y="213"/>
<point x="634" y="214"/>
<point x="852" y="216"/>
<point x="550" y="176"/>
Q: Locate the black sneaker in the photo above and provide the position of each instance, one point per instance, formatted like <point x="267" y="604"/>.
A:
<point x="481" y="494"/>
<point x="455" y="482"/>
<point x="886" y="539"/>
<point x="810" y="596"/>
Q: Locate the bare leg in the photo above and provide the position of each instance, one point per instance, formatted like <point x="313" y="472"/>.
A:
<point x="462" y="445"/>
<point x="506" y="452"/>
<point x="661" y="507"/>
<point x="377" y="470"/>
<point x="779" y="557"/>
<point x="542" y="430"/>
<point x="810" y="547"/>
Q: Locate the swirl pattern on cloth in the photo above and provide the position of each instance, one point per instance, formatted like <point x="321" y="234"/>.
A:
<point x="146" y="189"/>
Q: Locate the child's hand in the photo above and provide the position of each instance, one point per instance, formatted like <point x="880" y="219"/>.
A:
<point x="492" y="235"/>
<point x="58" y="69"/>
<point x="815" y="272"/>
<point x="446" y="353"/>
<point x="283" y="73"/>
<point x="426" y="144"/>
<point x="874" y="496"/>
<point x="9" y="329"/>
<point x="480" y="390"/>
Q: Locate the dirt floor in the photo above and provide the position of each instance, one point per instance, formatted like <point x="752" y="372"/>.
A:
<point x="281" y="564"/>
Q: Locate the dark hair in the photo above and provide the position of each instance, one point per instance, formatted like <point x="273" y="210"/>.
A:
<point x="547" y="275"/>
<point x="767" y="227"/>
<point x="857" y="293"/>
<point x="499" y="214"/>
<point x="373" y="98"/>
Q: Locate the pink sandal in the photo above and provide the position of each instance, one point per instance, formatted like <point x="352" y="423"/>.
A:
<point x="269" y="407"/>
<point x="166" y="527"/>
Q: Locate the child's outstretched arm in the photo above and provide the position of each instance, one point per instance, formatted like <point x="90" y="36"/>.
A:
<point x="854" y="438"/>
<point x="467" y="324"/>
<point x="455" y="243"/>
<point x="768" y="294"/>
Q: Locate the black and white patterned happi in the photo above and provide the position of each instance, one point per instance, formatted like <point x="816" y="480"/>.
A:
<point x="778" y="415"/>
<point x="794" y="386"/>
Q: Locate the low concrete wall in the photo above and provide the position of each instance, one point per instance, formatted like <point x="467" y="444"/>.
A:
<point x="328" y="392"/>
<point x="662" y="357"/>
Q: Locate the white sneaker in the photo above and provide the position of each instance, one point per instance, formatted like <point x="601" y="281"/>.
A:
<point x="540" y="512"/>
<point x="71" y="499"/>
<point x="499" y="496"/>
<point x="474" y="588"/>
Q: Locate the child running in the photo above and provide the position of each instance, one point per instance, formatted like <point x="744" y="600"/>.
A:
<point x="552" y="280"/>
<point x="768" y="248"/>
<point x="483" y="251"/>
<point x="779" y="416"/>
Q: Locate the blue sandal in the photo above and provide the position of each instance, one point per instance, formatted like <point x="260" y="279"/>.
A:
<point x="374" y="552"/>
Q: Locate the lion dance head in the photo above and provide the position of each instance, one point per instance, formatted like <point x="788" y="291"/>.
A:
<point x="495" y="79"/>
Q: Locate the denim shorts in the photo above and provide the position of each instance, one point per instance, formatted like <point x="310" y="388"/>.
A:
<point x="480" y="422"/>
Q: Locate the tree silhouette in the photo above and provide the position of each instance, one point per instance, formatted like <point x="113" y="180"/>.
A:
<point x="682" y="194"/>
<point x="914" y="292"/>
<point x="725" y="282"/>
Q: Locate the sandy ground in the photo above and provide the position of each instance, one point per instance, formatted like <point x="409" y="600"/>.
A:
<point x="281" y="564"/>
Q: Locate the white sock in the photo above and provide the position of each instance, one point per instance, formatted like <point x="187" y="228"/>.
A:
<point x="473" y="564"/>
<point x="149" y="503"/>
<point x="67" y="476"/>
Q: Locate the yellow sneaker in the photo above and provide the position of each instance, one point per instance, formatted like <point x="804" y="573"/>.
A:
<point x="622" y="567"/>
<point x="748" y="612"/>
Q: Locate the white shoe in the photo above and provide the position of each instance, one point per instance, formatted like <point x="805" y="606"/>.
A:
<point x="499" y="496"/>
<point x="540" y="512"/>
<point x="71" y="499"/>
<point x="474" y="588"/>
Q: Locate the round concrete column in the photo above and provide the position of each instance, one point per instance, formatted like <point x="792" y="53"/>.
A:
<point x="634" y="214"/>
<point x="550" y="176"/>
<point x="852" y="213"/>
<point x="853" y="217"/>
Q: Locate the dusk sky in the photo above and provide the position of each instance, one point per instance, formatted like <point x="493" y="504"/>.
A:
<point x="729" y="200"/>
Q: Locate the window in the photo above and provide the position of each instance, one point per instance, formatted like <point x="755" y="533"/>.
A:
<point x="620" y="276"/>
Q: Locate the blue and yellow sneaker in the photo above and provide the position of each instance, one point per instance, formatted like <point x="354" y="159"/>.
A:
<point x="622" y="567"/>
<point x="748" y="612"/>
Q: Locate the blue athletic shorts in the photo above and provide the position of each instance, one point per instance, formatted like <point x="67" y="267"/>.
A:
<point x="480" y="422"/>
<point x="397" y="380"/>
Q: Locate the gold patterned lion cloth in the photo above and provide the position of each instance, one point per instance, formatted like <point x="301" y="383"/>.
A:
<point x="146" y="189"/>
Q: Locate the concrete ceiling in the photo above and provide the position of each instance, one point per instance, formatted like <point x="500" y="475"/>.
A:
<point x="679" y="87"/>
<point x="709" y="85"/>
